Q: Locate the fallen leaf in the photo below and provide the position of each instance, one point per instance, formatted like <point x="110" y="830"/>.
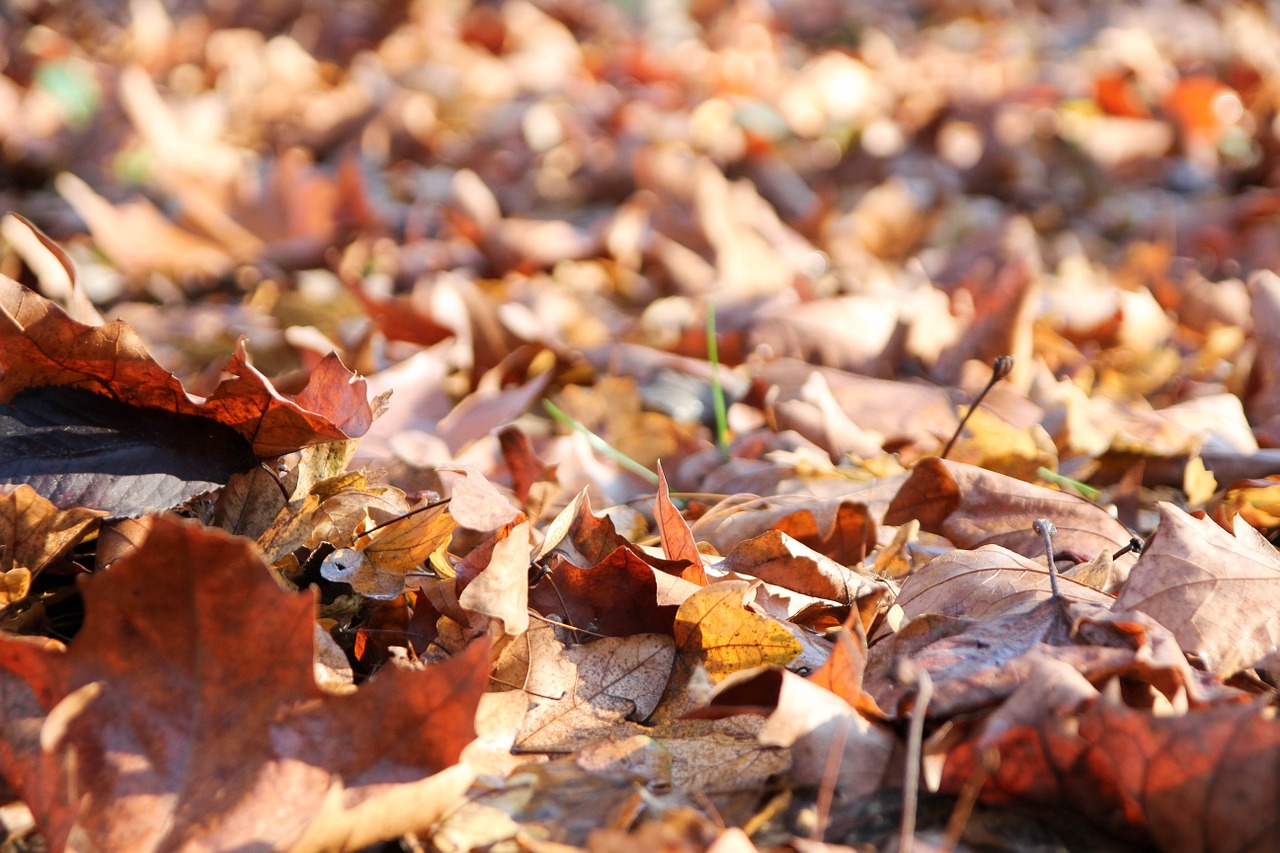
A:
<point x="1192" y="573"/>
<point x="617" y="596"/>
<point x="44" y="347"/>
<point x="777" y="558"/>
<point x="76" y="448"/>
<point x="162" y="729"/>
<point x="501" y="589"/>
<point x="973" y="507"/>
<point x="35" y="534"/>
<point x="677" y="540"/>
<point x="714" y="628"/>
<point x="989" y="581"/>
<point x="1200" y="781"/>
<point x="581" y="692"/>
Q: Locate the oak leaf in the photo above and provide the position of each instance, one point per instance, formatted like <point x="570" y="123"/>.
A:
<point x="164" y="727"/>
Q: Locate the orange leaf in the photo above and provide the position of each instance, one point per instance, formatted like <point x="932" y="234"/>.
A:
<point x="677" y="539"/>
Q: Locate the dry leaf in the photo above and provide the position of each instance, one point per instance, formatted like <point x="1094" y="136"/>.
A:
<point x="1193" y="573"/>
<point x="178" y="730"/>
<point x="714" y="628"/>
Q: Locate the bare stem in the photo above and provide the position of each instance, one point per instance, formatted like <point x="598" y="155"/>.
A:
<point x="915" y="757"/>
<point x="1000" y="368"/>
<point x="1047" y="529"/>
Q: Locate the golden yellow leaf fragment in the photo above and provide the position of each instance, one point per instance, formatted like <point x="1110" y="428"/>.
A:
<point x="410" y="540"/>
<point x="715" y="627"/>
<point x="33" y="534"/>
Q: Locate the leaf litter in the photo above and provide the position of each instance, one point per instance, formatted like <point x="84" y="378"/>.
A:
<point x="962" y="538"/>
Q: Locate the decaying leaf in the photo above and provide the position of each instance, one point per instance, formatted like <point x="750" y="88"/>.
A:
<point x="974" y="507"/>
<point x="1200" y="781"/>
<point x="43" y="347"/>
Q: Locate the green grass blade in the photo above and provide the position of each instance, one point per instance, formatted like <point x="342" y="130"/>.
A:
<point x="599" y="444"/>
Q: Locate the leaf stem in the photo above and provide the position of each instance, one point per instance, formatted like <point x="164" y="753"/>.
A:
<point x="599" y="444"/>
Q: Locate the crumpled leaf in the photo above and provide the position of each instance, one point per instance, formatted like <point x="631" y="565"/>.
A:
<point x="1218" y="594"/>
<point x="978" y="663"/>
<point x="1200" y="781"/>
<point x="776" y="558"/>
<point x="34" y="534"/>
<point x="164" y="727"/>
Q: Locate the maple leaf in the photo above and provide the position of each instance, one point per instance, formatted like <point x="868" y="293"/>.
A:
<point x="185" y="714"/>
<point x="44" y="347"/>
<point x="1217" y="593"/>
<point x="714" y="628"/>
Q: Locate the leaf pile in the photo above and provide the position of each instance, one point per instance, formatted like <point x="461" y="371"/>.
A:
<point x="367" y="480"/>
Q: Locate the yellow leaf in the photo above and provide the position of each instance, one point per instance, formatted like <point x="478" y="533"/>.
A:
<point x="408" y="541"/>
<point x="713" y="626"/>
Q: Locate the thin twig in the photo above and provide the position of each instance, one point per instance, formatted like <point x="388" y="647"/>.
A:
<point x="915" y="757"/>
<point x="1000" y="368"/>
<point x="830" y="776"/>
<point x="1047" y="529"/>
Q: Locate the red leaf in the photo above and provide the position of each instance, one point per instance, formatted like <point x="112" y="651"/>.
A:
<point x="186" y="711"/>
<point x="42" y="346"/>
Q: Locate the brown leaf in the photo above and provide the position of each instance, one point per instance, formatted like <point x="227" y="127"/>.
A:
<point x="677" y="539"/>
<point x="34" y="533"/>
<point x="1200" y="781"/>
<point x="165" y="727"/>
<point x="475" y="503"/>
<point x="501" y="589"/>
<point x="842" y="672"/>
<point x="616" y="597"/>
<point x="777" y="558"/>
<point x="597" y="687"/>
<point x="974" y="507"/>
<point x="840" y="527"/>
<point x="1218" y="594"/>
<point x="989" y="581"/>
<point x="978" y="663"/>
<point x="42" y="346"/>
